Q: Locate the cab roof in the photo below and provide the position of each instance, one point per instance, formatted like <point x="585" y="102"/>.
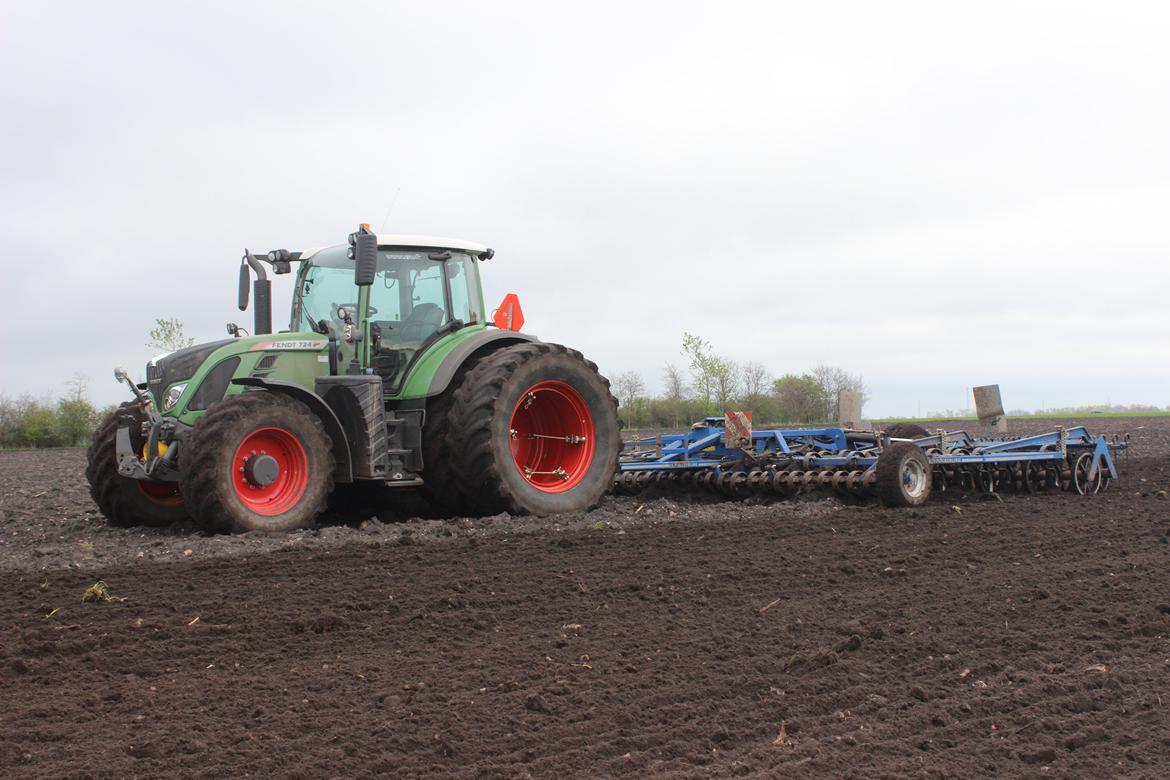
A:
<point x="391" y="240"/>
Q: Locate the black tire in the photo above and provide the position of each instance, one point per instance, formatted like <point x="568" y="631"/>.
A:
<point x="223" y="498"/>
<point x="906" y="431"/>
<point x="903" y="475"/>
<point x="440" y="481"/>
<point x="125" y="502"/>
<point x="488" y="403"/>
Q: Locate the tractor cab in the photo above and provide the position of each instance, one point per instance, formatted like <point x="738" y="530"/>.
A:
<point x="422" y="289"/>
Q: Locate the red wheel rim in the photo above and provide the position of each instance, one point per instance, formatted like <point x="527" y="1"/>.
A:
<point x="161" y="493"/>
<point x="292" y="477"/>
<point x="551" y="434"/>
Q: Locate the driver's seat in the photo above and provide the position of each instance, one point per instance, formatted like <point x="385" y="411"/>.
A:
<point x="424" y="320"/>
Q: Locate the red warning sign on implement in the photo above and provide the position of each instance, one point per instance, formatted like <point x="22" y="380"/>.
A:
<point x="509" y="316"/>
<point x="737" y="429"/>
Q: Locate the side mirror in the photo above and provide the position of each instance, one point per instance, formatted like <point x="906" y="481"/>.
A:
<point x="243" y="286"/>
<point x="365" y="258"/>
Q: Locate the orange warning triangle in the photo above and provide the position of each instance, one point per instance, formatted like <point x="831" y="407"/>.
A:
<point x="509" y="316"/>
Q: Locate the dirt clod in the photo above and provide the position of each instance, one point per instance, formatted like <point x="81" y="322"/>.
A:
<point x="1042" y="756"/>
<point x="537" y="704"/>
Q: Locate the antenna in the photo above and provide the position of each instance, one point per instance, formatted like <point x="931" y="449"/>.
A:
<point x="390" y="210"/>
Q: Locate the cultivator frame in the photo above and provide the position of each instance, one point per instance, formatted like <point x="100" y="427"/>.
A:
<point x="786" y="462"/>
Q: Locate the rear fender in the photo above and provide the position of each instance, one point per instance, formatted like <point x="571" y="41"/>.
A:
<point x="482" y="343"/>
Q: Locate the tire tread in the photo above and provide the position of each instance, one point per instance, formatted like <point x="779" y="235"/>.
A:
<point x="200" y="457"/>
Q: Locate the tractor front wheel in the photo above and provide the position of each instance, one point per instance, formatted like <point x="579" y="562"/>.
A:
<point x="533" y="430"/>
<point x="257" y="461"/>
<point x="124" y="501"/>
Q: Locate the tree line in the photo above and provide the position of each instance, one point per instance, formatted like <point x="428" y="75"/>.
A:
<point x="712" y="384"/>
<point x="69" y="421"/>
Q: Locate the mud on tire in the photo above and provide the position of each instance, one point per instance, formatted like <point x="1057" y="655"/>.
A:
<point x="906" y="431"/>
<point x="127" y="502"/>
<point x="243" y="441"/>
<point x="533" y="430"/>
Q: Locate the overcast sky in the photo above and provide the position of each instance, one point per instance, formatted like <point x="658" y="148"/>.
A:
<point x="933" y="195"/>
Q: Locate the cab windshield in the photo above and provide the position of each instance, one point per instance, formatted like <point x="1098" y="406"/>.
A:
<point x="415" y="293"/>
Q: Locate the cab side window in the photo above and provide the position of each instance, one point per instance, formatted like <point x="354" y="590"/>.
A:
<point x="465" y="298"/>
<point x="427" y="287"/>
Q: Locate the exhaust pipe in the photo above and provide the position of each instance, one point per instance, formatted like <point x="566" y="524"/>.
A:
<point x="263" y="290"/>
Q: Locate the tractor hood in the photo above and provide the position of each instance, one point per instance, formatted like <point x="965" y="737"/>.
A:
<point x="165" y="370"/>
<point x="186" y="382"/>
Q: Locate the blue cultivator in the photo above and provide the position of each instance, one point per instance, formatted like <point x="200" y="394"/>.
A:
<point x="902" y="472"/>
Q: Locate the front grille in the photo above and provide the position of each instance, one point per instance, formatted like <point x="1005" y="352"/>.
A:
<point x="154" y="380"/>
<point x="178" y="366"/>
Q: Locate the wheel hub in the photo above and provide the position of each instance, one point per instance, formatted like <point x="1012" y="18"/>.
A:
<point x="271" y="471"/>
<point x="261" y="469"/>
<point x="913" y="478"/>
<point x="551" y="436"/>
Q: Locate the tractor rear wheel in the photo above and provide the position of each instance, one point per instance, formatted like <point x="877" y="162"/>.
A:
<point x="440" y="482"/>
<point x="534" y="430"/>
<point x="128" y="502"/>
<point x="903" y="475"/>
<point x="258" y="461"/>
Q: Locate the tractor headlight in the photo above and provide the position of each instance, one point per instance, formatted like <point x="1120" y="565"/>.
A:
<point x="173" y="396"/>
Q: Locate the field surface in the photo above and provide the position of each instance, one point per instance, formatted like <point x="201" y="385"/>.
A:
<point x="667" y="636"/>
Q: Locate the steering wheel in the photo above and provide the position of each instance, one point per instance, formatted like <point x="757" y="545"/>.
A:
<point x="352" y="308"/>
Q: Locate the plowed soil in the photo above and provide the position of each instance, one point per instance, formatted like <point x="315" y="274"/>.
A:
<point x="1028" y="636"/>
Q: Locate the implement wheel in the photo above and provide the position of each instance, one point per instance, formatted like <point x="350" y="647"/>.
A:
<point x="257" y="461"/>
<point x="903" y="475"/>
<point x="1081" y="482"/>
<point x="127" y="502"/>
<point x="533" y="430"/>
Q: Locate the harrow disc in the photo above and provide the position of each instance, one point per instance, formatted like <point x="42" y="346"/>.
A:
<point x="1033" y="478"/>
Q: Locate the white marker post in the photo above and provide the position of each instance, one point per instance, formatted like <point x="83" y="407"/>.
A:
<point x="989" y="407"/>
<point x="849" y="409"/>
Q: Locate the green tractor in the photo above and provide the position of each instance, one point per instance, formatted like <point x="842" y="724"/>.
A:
<point x="389" y="375"/>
